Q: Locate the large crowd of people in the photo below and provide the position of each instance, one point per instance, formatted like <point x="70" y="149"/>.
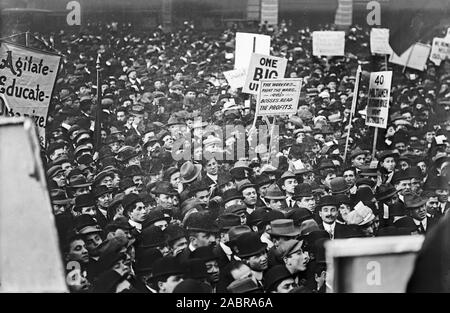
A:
<point x="167" y="201"/>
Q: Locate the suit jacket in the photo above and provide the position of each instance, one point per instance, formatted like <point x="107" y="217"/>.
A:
<point x="340" y="231"/>
<point x="222" y="258"/>
<point x="439" y="214"/>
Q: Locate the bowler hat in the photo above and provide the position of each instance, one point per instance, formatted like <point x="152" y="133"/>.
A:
<point x="190" y="285"/>
<point x="358" y="151"/>
<point x="274" y="193"/>
<point x="84" y="200"/>
<point x="201" y="222"/>
<point x="272" y="215"/>
<point x="154" y="216"/>
<point x="85" y="224"/>
<point x="227" y="221"/>
<point x="413" y="201"/>
<point x="302" y="190"/>
<point x="249" y="244"/>
<point x="118" y="223"/>
<point x="385" y="191"/>
<point x="198" y="186"/>
<point x="166" y="266"/>
<point x="145" y="258"/>
<point x="263" y="179"/>
<point x="174" y="232"/>
<point x="245" y="184"/>
<point x="127" y="154"/>
<point x="257" y="216"/>
<point x="286" y="175"/>
<point x="327" y="200"/>
<point x="339" y="186"/>
<point x="298" y="215"/>
<point x="308" y="226"/>
<point x="236" y="209"/>
<point x="205" y="253"/>
<point x="189" y="171"/>
<point x="284" y="228"/>
<point x="58" y="196"/>
<point x="275" y="275"/>
<point x="231" y="194"/>
<point x="387" y="153"/>
<point x="100" y="191"/>
<point x="235" y="232"/>
<point x="152" y="237"/>
<point x="368" y="171"/>
<point x="125" y="184"/>
<point x="129" y="200"/>
<point x="401" y="175"/>
<point x="54" y="170"/>
<point x="165" y="188"/>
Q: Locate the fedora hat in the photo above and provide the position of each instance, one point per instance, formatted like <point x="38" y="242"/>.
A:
<point x="244" y="285"/>
<point x="413" y="201"/>
<point x="302" y="190"/>
<point x="263" y="179"/>
<point x="274" y="193"/>
<point x="283" y="227"/>
<point x="308" y="226"/>
<point x="358" y="151"/>
<point x="245" y="184"/>
<point x="338" y="185"/>
<point x="275" y="275"/>
<point x="240" y="170"/>
<point x="385" y="191"/>
<point x="286" y="175"/>
<point x="189" y="171"/>
<point x="249" y="244"/>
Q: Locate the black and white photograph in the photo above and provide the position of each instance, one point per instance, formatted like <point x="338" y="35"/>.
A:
<point x="243" y="148"/>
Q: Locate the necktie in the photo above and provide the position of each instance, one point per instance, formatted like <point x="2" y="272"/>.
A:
<point x="421" y="228"/>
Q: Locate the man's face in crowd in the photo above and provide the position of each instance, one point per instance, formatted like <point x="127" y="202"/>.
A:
<point x="67" y="167"/>
<point x="116" y="180"/>
<point x="212" y="268"/>
<point x="400" y="146"/>
<point x="403" y="164"/>
<point x="416" y="185"/>
<point x="403" y="186"/>
<point x="212" y="167"/>
<point x="389" y="164"/>
<point x="328" y="214"/>
<point x="104" y="200"/>
<point x="175" y="180"/>
<point x="179" y="245"/>
<point x="89" y="210"/>
<point x="203" y="196"/>
<point x="203" y="239"/>
<point x="93" y="241"/>
<point x="319" y="137"/>
<point x="137" y="180"/>
<point x="60" y="179"/>
<point x="289" y="185"/>
<point x="328" y="178"/>
<point x="178" y="76"/>
<point x="250" y="196"/>
<point x="132" y="189"/>
<point x="419" y="213"/>
<point x="297" y="260"/>
<point x="263" y="189"/>
<point x="81" y="191"/>
<point x="429" y="136"/>
<point x="275" y="204"/>
<point x="121" y="117"/>
<point x="139" y="213"/>
<point x="442" y="195"/>
<point x="132" y="75"/>
<point x="169" y="285"/>
<point x="307" y="203"/>
<point x="432" y="205"/>
<point x="359" y="161"/>
<point x="57" y="153"/>
<point x="286" y="285"/>
<point x="349" y="177"/>
<point x="107" y="181"/>
<point x="259" y="262"/>
<point x="78" y="252"/>
<point x="115" y="146"/>
<point x="344" y="209"/>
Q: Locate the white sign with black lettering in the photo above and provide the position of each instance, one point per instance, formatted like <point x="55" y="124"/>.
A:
<point x="235" y="78"/>
<point x="378" y="102"/>
<point x="440" y="50"/>
<point x="328" y="43"/>
<point x="263" y="67"/>
<point x="248" y="43"/>
<point x="415" y="57"/>
<point x="278" y="96"/>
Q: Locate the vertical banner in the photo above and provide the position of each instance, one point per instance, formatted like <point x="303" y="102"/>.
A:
<point x="248" y="43"/>
<point x="269" y="12"/>
<point x="263" y="67"/>
<point x="278" y="96"/>
<point x="378" y="102"/>
<point x="379" y="41"/>
<point x="344" y="13"/>
<point x="328" y="43"/>
<point x="253" y="10"/>
<point x="27" y="79"/>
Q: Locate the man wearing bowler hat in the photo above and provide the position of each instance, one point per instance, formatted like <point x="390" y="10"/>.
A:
<point x="222" y="250"/>
<point x="167" y="273"/>
<point x="416" y="207"/>
<point x="279" y="280"/>
<point x="328" y="213"/>
<point x="304" y="197"/>
<point x="252" y="252"/>
<point x="135" y="210"/>
<point x="207" y="255"/>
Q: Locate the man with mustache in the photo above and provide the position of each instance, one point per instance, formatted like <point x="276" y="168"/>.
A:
<point x="328" y="212"/>
<point x="418" y="211"/>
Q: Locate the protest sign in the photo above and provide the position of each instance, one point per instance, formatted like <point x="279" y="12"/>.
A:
<point x="440" y="50"/>
<point x="278" y="96"/>
<point x="30" y="255"/>
<point x="235" y="78"/>
<point x="328" y="43"/>
<point x="371" y="264"/>
<point x="378" y="101"/>
<point x="263" y="67"/>
<point x="248" y="43"/>
<point x="27" y="79"/>
<point x="415" y="57"/>
<point x="379" y="41"/>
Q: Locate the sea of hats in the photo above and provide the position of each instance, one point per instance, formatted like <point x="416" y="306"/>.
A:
<point x="145" y="212"/>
